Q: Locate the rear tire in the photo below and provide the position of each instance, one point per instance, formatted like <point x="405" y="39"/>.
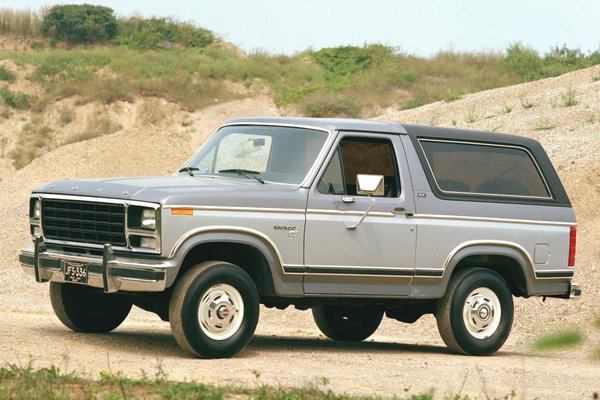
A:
<point x="350" y="324"/>
<point x="475" y="315"/>
<point x="86" y="309"/>
<point x="214" y="310"/>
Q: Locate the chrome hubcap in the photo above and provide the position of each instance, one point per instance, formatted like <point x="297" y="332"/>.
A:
<point x="482" y="313"/>
<point x="221" y="311"/>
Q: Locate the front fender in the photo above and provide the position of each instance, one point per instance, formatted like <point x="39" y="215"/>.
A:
<point x="288" y="285"/>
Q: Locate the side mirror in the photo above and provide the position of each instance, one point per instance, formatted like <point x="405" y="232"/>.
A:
<point x="369" y="185"/>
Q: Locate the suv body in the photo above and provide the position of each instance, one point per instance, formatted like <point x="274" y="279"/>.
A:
<point x="351" y="218"/>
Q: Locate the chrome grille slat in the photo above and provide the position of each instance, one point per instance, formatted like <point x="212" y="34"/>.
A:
<point x="84" y="221"/>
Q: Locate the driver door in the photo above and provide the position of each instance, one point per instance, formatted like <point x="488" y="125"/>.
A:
<point x="377" y="258"/>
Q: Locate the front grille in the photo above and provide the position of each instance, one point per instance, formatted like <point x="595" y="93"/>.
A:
<point x="84" y="221"/>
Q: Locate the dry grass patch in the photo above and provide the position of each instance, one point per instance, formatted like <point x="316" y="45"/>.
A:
<point x="66" y="114"/>
<point x="98" y="125"/>
<point x="152" y="111"/>
<point x="33" y="141"/>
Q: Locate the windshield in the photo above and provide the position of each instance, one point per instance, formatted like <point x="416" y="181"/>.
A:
<point x="268" y="153"/>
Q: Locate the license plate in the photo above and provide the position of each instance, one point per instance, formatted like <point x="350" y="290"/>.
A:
<point x="76" y="273"/>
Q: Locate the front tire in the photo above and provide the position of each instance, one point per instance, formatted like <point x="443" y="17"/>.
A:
<point x="475" y="315"/>
<point x="86" y="309"/>
<point x="214" y="310"/>
<point x="350" y="324"/>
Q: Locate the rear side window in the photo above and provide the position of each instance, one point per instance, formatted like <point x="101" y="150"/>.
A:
<point x="483" y="169"/>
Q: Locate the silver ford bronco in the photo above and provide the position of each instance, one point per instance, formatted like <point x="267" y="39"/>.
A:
<point x="353" y="219"/>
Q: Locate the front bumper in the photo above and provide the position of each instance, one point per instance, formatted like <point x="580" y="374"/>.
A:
<point x="108" y="272"/>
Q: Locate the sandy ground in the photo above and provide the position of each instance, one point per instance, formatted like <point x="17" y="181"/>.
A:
<point x="288" y="349"/>
<point x="399" y="359"/>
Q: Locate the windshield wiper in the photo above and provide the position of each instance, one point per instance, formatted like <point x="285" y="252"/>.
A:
<point x="189" y="170"/>
<point x="244" y="172"/>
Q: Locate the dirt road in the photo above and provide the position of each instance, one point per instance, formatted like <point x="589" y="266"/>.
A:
<point x="399" y="359"/>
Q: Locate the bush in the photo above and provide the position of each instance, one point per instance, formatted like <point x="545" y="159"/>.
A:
<point x="6" y="74"/>
<point x="80" y="23"/>
<point x="19" y="101"/>
<point x="144" y="34"/>
<point x="348" y="60"/>
<point x="531" y="66"/>
<point x="330" y="105"/>
<point x="524" y="61"/>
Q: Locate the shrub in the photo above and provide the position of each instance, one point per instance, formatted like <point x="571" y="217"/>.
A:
<point x="144" y="34"/>
<point x="527" y="104"/>
<point x="562" y="59"/>
<point x="524" y="61"/>
<point x="569" y="97"/>
<point x="531" y="66"/>
<point x="349" y="60"/>
<point x="330" y="105"/>
<point x="80" y="23"/>
<point x="6" y="74"/>
<point x="19" y="101"/>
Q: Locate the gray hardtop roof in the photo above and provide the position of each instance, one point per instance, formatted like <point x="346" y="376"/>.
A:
<point x="362" y="125"/>
<point x="331" y="124"/>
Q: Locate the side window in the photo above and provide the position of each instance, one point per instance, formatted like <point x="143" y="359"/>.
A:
<point x="332" y="181"/>
<point x="486" y="170"/>
<point x="360" y="156"/>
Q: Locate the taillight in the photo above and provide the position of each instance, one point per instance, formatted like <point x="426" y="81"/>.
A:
<point x="572" y="246"/>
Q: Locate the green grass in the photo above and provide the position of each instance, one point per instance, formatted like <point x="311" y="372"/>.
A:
<point x="196" y="78"/>
<point x="559" y="340"/>
<point x="342" y="81"/>
<point x="50" y="383"/>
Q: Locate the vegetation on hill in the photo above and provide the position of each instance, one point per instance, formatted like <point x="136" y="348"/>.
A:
<point x="86" y="53"/>
<point x="176" y="61"/>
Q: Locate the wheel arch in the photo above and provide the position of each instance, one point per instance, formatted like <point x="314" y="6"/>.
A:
<point x="509" y="260"/>
<point x="248" y="249"/>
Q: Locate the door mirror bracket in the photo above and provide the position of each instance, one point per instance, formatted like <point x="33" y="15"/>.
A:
<point x="370" y="185"/>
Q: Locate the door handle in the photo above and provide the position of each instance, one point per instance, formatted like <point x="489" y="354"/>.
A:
<point x="402" y="210"/>
<point x="347" y="199"/>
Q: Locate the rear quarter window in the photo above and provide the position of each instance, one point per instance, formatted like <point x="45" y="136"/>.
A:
<point x="484" y="169"/>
